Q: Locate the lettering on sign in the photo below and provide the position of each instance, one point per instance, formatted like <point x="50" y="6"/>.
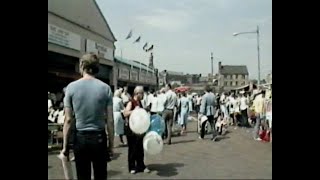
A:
<point x="134" y="75"/>
<point x="62" y="37"/>
<point x="124" y="73"/>
<point x="100" y="49"/>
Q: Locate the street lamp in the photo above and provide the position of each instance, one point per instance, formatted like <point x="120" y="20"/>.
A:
<point x="258" y="46"/>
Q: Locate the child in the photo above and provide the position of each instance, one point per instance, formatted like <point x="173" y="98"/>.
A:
<point x="221" y="124"/>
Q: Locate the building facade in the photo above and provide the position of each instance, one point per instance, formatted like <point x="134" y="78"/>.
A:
<point x="232" y="76"/>
<point x="131" y="73"/>
<point x="74" y="28"/>
<point x="172" y="76"/>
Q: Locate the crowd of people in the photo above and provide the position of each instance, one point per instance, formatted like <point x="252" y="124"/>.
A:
<point x="96" y="116"/>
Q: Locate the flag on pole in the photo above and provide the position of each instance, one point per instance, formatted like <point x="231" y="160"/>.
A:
<point x="145" y="45"/>
<point x="150" y="48"/>
<point x="137" y="40"/>
<point x="129" y="35"/>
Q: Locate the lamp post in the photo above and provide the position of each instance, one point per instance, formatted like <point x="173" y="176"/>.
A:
<point x="258" y="46"/>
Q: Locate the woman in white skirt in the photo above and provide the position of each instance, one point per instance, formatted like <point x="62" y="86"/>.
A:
<point x="184" y="105"/>
<point x="118" y="109"/>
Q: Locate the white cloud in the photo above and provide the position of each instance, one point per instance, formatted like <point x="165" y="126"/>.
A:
<point x="167" y="20"/>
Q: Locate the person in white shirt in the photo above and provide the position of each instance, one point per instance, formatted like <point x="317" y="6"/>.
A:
<point x="223" y="104"/>
<point x="161" y="100"/>
<point x="232" y="103"/>
<point x="119" y="121"/>
<point x="259" y="107"/>
<point x="244" y="109"/>
<point x="189" y="96"/>
<point x="144" y="101"/>
<point x="237" y="114"/>
<point x="150" y="97"/>
<point x="125" y="96"/>
<point x="198" y="103"/>
<point x="169" y="105"/>
<point x="154" y="104"/>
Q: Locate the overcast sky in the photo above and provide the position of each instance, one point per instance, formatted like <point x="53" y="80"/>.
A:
<point x="185" y="32"/>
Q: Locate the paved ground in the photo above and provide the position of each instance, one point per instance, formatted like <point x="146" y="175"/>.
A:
<point x="237" y="156"/>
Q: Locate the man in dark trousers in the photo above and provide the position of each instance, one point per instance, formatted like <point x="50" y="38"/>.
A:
<point x="208" y="108"/>
<point x="169" y="104"/>
<point x="88" y="102"/>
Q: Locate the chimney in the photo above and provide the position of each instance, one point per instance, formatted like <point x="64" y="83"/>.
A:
<point x="219" y="65"/>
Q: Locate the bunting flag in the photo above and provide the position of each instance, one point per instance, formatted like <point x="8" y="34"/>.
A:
<point x="150" y="48"/>
<point x="145" y="45"/>
<point x="129" y="35"/>
<point x="137" y="40"/>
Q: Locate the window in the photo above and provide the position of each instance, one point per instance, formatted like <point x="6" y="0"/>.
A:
<point x="228" y="77"/>
<point x="234" y="76"/>
<point x="240" y="76"/>
<point x="236" y="84"/>
<point x="226" y="83"/>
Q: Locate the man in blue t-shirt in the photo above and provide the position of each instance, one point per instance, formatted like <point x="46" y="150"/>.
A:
<point x="88" y="102"/>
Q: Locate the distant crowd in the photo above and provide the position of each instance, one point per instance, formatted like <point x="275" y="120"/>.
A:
<point x="92" y="115"/>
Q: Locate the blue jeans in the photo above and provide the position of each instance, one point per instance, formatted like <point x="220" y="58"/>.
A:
<point x="91" y="147"/>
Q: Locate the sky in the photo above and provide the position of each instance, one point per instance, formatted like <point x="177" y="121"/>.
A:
<point x="185" y="32"/>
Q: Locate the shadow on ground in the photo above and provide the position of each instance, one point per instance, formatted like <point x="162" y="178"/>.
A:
<point x="165" y="170"/>
<point x="115" y="156"/>
<point x="54" y="152"/>
<point x="113" y="173"/>
<point x="185" y="141"/>
<point x="221" y="138"/>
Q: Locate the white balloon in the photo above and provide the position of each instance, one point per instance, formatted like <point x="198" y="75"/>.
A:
<point x="152" y="143"/>
<point x="139" y="121"/>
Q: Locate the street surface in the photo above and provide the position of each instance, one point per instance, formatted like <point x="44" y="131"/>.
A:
<point x="236" y="156"/>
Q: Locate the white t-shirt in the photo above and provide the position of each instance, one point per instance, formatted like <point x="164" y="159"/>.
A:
<point x="199" y="100"/>
<point x="149" y="99"/>
<point x="237" y="105"/>
<point x="144" y="101"/>
<point x="154" y="104"/>
<point x="243" y="103"/>
<point x="161" y="99"/>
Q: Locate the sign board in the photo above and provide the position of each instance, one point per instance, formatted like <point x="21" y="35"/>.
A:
<point x="134" y="75"/>
<point x="123" y="73"/>
<point x="100" y="49"/>
<point x="62" y="37"/>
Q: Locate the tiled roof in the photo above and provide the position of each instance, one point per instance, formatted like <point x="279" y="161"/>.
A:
<point x="229" y="69"/>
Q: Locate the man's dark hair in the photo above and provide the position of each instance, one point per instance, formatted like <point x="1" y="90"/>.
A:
<point x="208" y="88"/>
<point x="169" y="85"/>
<point x="90" y="63"/>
